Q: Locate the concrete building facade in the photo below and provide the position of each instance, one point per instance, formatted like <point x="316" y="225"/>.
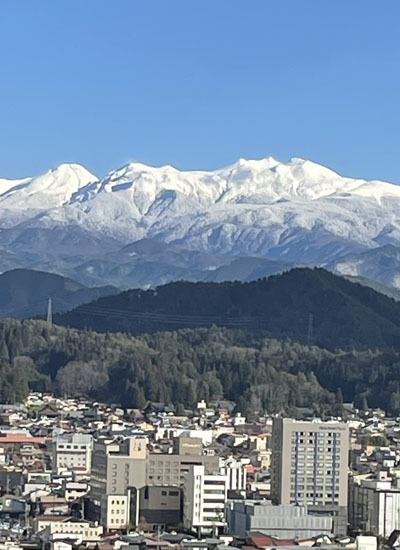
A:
<point x="205" y="497"/>
<point x="285" y="521"/>
<point x="171" y="469"/>
<point x="118" y="466"/>
<point x="374" y="504"/>
<point x="309" y="466"/>
<point x="160" y="507"/>
<point x="71" y="451"/>
<point x="236" y="473"/>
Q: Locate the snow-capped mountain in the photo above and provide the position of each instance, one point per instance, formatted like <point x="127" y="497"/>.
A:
<point x="21" y="199"/>
<point x="70" y="221"/>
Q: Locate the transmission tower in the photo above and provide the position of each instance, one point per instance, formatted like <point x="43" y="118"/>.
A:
<point x="49" y="313"/>
<point x="310" y="330"/>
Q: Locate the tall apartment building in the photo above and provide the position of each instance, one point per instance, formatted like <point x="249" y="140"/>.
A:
<point x="310" y="466"/>
<point x="171" y="469"/>
<point x="118" y="468"/>
<point x="72" y="450"/>
<point x="205" y="496"/>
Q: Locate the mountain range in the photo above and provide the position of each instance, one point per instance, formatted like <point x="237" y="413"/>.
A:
<point x="145" y="226"/>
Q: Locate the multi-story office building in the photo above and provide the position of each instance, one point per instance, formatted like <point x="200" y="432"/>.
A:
<point x="205" y="496"/>
<point x="171" y="469"/>
<point x="310" y="466"/>
<point x="72" y="450"/>
<point x="118" y="467"/>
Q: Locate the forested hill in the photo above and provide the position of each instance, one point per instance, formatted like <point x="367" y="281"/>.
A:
<point x="182" y="367"/>
<point x="305" y="304"/>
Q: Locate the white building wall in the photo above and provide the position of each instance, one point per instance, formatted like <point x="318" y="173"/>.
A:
<point x="236" y="473"/>
<point x="72" y="451"/>
<point x="205" y="498"/>
<point x="115" y="512"/>
<point x="388" y="513"/>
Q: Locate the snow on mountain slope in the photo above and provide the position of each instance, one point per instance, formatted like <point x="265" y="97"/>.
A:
<point x="248" y="207"/>
<point x="299" y="211"/>
<point x="49" y="190"/>
<point x="6" y="184"/>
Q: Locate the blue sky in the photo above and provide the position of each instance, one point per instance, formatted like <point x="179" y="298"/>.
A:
<point x="199" y="83"/>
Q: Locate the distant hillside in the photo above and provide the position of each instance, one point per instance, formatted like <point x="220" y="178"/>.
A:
<point x="305" y="304"/>
<point x="389" y="291"/>
<point x="380" y="264"/>
<point x="148" y="263"/>
<point x="25" y="293"/>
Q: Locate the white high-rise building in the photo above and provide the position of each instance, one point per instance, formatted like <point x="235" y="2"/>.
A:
<point x="310" y="466"/>
<point x="204" y="501"/>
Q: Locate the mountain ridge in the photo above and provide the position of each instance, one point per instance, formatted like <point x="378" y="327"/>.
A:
<point x="343" y="313"/>
<point x="298" y="212"/>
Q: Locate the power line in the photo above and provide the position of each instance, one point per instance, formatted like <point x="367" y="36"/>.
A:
<point x="169" y="317"/>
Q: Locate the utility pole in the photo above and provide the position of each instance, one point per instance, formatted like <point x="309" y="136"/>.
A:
<point x="49" y="313"/>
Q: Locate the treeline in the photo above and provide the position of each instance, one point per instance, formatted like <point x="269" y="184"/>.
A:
<point x="309" y="305"/>
<point x="185" y="366"/>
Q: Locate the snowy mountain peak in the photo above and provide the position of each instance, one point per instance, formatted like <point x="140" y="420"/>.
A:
<point x="253" y="206"/>
<point x="72" y="169"/>
<point x="262" y="181"/>
<point x="49" y="190"/>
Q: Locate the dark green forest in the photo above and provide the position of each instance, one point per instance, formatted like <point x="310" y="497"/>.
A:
<point x="307" y="305"/>
<point x="180" y="367"/>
